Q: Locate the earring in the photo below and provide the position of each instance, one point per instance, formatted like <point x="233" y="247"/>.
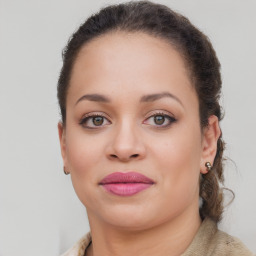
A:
<point x="67" y="173"/>
<point x="208" y="166"/>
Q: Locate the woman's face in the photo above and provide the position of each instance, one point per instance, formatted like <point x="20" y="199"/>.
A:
<point x="131" y="108"/>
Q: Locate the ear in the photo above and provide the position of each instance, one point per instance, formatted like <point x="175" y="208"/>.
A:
<point x="62" y="138"/>
<point x="211" y="134"/>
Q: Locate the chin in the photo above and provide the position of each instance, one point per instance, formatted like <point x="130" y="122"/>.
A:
<point x="129" y="218"/>
<point x="131" y="223"/>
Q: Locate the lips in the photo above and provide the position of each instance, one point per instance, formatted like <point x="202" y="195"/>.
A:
<point x="126" y="184"/>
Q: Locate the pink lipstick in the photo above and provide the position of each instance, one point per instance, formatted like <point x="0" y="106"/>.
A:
<point x="126" y="184"/>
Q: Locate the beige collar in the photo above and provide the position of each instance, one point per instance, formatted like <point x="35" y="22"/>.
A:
<point x="209" y="241"/>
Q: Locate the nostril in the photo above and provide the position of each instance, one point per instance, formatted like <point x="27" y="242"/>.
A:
<point x="124" y="158"/>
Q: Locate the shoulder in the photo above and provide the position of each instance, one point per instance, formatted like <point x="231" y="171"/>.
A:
<point x="210" y="241"/>
<point x="79" y="248"/>
<point x="229" y="245"/>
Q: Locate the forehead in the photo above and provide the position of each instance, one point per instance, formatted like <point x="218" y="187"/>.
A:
<point x="131" y="62"/>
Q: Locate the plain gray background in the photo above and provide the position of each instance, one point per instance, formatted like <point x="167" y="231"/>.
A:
<point x="39" y="212"/>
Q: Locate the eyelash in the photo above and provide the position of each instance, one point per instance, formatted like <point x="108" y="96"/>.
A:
<point x="89" y="117"/>
<point x="170" y="119"/>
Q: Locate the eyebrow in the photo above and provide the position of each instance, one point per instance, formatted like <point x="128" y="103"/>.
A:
<point x="94" y="97"/>
<point x="157" y="96"/>
<point x="146" y="98"/>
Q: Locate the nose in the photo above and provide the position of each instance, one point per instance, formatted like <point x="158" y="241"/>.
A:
<point x="126" y="144"/>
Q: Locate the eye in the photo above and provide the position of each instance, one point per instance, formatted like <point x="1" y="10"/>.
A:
<point x="94" y="121"/>
<point x="160" y="120"/>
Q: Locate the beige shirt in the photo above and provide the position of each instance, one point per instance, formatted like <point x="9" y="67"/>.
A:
<point x="209" y="241"/>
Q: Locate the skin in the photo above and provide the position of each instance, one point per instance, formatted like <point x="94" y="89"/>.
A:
<point x="163" y="219"/>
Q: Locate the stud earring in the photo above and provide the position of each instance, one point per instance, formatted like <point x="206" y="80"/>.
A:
<point x="208" y="166"/>
<point x="67" y="173"/>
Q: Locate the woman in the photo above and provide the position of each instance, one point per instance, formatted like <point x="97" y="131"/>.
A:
<point x="139" y="96"/>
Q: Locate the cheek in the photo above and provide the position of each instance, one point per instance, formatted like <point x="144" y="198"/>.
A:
<point x="181" y="148"/>
<point x="83" y="153"/>
<point x="179" y="162"/>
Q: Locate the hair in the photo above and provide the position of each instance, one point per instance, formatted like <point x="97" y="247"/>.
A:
<point x="200" y="59"/>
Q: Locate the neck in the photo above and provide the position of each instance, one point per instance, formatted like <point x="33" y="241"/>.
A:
<point x="169" y="238"/>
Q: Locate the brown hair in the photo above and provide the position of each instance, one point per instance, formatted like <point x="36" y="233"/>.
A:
<point x="204" y="68"/>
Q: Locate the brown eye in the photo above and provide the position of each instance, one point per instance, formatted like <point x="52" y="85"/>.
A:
<point x="94" y="121"/>
<point x="98" y="120"/>
<point x="159" y="119"/>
